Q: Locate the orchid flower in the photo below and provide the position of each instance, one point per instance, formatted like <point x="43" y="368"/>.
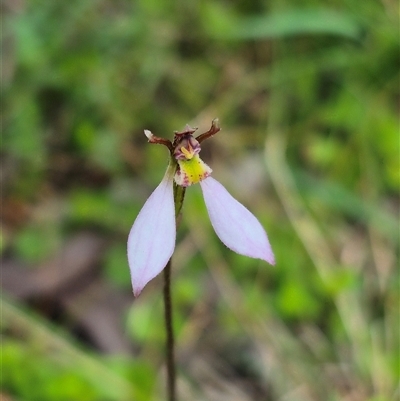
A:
<point x="151" y="241"/>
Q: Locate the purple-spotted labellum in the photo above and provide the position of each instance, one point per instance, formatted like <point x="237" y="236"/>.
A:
<point x="151" y="240"/>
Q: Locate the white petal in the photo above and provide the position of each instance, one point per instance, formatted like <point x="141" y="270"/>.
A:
<point x="236" y="226"/>
<point x="151" y="240"/>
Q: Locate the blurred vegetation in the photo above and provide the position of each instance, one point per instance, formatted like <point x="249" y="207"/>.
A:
<point x="308" y="99"/>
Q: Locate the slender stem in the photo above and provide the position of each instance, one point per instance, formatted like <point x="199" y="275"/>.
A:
<point x="179" y="194"/>
<point x="171" y="375"/>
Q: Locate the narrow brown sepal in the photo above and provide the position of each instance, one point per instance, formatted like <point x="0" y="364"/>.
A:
<point x="157" y="140"/>
<point x="211" y="132"/>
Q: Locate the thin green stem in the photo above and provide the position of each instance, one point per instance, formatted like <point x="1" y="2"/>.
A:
<point x="179" y="195"/>
<point x="171" y="375"/>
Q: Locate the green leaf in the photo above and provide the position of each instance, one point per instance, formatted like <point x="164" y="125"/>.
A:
<point x="339" y="198"/>
<point x="296" y="22"/>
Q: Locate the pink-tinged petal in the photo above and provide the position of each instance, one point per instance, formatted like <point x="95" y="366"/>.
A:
<point x="236" y="226"/>
<point x="151" y="240"/>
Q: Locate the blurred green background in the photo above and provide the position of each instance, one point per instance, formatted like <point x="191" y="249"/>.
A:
<point x="307" y="93"/>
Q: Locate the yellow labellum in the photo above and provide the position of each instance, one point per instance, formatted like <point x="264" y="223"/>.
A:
<point x="191" y="171"/>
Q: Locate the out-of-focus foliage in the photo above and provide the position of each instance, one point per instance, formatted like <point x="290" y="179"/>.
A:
<point x="308" y="97"/>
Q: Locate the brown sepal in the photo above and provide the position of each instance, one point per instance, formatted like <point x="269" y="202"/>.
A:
<point x="211" y="132"/>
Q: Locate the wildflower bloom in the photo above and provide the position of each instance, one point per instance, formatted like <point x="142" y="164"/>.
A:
<point x="151" y="241"/>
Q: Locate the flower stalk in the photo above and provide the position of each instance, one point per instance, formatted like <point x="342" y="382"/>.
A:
<point x="170" y="343"/>
<point x="179" y="195"/>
